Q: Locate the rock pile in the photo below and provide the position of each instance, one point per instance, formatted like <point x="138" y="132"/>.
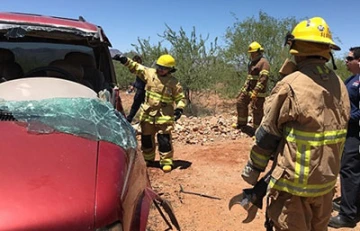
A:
<point x="203" y="130"/>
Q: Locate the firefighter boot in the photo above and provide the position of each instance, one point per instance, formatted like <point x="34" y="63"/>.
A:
<point x="237" y="126"/>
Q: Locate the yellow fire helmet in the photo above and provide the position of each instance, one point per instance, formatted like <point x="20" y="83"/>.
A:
<point x="255" y="47"/>
<point x="312" y="30"/>
<point x="166" y="61"/>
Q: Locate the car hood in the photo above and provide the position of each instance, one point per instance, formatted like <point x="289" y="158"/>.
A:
<point x="50" y="154"/>
<point x="38" y="88"/>
<point x="50" y="180"/>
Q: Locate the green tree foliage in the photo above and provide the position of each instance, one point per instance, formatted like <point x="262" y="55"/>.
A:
<point x="203" y="67"/>
<point x="342" y="70"/>
<point x="194" y="61"/>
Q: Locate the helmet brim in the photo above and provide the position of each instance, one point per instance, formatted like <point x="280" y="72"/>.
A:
<point x="331" y="44"/>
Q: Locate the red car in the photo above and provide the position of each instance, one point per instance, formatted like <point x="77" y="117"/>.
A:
<point x="69" y="158"/>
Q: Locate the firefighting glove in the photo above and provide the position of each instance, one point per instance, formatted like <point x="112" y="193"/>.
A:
<point x="177" y="113"/>
<point x="253" y="94"/>
<point x="121" y="58"/>
<point x="250" y="174"/>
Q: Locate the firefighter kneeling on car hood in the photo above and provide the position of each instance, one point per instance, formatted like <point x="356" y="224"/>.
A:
<point x="164" y="103"/>
<point x="304" y="128"/>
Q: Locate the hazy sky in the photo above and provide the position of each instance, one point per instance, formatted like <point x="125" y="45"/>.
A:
<point x="126" y="21"/>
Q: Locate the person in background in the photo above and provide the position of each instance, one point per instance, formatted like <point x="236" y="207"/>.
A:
<point x="304" y="129"/>
<point x="139" y="96"/>
<point x="350" y="160"/>
<point x="254" y="89"/>
<point x="164" y="103"/>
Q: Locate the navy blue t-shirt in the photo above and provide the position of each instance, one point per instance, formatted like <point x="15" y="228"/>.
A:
<point x="353" y="86"/>
<point x="139" y="84"/>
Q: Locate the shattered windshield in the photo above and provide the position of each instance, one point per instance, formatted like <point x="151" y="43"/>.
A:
<point x="84" y="117"/>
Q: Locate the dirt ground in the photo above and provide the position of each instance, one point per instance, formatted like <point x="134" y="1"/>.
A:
<point x="211" y="169"/>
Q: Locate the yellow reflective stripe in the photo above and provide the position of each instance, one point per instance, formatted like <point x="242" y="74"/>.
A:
<point x="242" y="119"/>
<point x="149" y="156"/>
<point x="159" y="97"/>
<point x="261" y="94"/>
<point x="156" y="119"/>
<point x="319" y="70"/>
<point x="179" y="97"/>
<point x="245" y="91"/>
<point x="315" y="139"/>
<point x="181" y="105"/>
<point x="304" y="142"/>
<point x="166" y="161"/>
<point x="259" y="86"/>
<point x="302" y="163"/>
<point x="323" y="69"/>
<point x="259" y="160"/>
<point x="137" y="69"/>
<point x="303" y="190"/>
<point x="264" y="72"/>
<point x="252" y="77"/>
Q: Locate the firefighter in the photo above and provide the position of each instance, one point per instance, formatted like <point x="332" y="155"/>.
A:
<point x="254" y="89"/>
<point x="164" y="103"/>
<point x="304" y="129"/>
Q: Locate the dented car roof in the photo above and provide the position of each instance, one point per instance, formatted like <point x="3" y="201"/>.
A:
<point x="19" y="24"/>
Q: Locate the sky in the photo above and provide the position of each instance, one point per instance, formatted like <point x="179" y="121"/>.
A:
<point x="126" y="21"/>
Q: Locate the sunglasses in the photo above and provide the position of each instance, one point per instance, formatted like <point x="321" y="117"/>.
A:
<point x="349" y="58"/>
<point x="161" y="68"/>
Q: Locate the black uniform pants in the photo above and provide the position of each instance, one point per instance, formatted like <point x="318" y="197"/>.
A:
<point x="350" y="179"/>
<point x="139" y="98"/>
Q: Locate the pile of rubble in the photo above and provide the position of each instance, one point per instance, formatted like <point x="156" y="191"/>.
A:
<point x="203" y="130"/>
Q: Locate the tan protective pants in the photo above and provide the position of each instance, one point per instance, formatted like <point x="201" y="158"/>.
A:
<point x="150" y="130"/>
<point x="294" y="213"/>
<point x="242" y="107"/>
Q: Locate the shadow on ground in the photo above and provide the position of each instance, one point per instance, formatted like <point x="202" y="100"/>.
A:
<point x="178" y="164"/>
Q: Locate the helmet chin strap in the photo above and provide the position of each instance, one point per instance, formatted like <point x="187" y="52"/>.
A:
<point x="333" y="61"/>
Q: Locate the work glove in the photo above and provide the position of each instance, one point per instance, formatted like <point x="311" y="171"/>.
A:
<point x="250" y="174"/>
<point x="121" y="58"/>
<point x="177" y="113"/>
<point x="253" y="94"/>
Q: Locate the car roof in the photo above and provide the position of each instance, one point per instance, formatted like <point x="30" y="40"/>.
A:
<point x="47" y="21"/>
<point x="54" y="22"/>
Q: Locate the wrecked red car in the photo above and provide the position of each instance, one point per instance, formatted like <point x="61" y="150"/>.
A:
<point x="69" y="158"/>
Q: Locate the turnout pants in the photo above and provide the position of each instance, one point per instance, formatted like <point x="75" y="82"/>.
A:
<point x="293" y="213"/>
<point x="164" y="139"/>
<point x="242" y="107"/>
<point x="350" y="179"/>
